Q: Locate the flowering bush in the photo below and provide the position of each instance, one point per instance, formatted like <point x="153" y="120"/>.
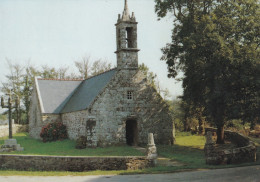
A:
<point x="54" y="131"/>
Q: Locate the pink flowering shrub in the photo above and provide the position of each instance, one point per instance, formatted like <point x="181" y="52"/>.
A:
<point x="54" y="131"/>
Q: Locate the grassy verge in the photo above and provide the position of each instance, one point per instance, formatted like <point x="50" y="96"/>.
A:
<point x="66" y="148"/>
<point x="188" y="150"/>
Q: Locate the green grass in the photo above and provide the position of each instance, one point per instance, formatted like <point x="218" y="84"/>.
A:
<point x="188" y="150"/>
<point x="66" y="148"/>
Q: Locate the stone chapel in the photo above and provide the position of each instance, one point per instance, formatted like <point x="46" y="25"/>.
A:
<point x="115" y="107"/>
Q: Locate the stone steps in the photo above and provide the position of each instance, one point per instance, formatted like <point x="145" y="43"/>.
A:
<point x="11" y="145"/>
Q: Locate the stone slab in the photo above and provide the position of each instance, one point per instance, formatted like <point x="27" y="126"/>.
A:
<point x="11" y="142"/>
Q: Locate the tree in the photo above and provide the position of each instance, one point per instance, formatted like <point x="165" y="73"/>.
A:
<point x="217" y="46"/>
<point x="49" y="72"/>
<point x="3" y="117"/>
<point x="151" y="78"/>
<point x="99" y="66"/>
<point x="30" y="73"/>
<point x="83" y="67"/>
<point x="14" y="84"/>
<point x="149" y="74"/>
<point x="62" y="72"/>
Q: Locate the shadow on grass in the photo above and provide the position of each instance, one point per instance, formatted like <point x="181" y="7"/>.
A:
<point x="192" y="158"/>
<point x="188" y="152"/>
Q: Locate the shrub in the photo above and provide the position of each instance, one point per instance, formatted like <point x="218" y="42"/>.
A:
<point x="81" y="142"/>
<point x="54" y="131"/>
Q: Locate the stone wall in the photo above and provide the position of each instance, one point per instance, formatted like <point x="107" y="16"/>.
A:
<point x="35" y="128"/>
<point x="245" y="150"/>
<point x="112" y="109"/>
<point x="36" y="119"/>
<point x="4" y="129"/>
<point x="57" y="163"/>
<point x="76" y="123"/>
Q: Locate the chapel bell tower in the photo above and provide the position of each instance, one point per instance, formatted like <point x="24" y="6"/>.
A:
<point x="126" y="40"/>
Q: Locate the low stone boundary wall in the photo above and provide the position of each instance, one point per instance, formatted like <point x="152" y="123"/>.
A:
<point x="4" y="129"/>
<point x="244" y="152"/>
<point x="68" y="163"/>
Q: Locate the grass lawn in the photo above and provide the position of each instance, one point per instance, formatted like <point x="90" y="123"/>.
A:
<point x="66" y="148"/>
<point x="188" y="150"/>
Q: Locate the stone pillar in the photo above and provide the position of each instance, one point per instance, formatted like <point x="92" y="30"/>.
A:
<point x="209" y="148"/>
<point x="151" y="149"/>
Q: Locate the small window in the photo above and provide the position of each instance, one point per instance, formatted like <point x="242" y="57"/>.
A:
<point x="129" y="95"/>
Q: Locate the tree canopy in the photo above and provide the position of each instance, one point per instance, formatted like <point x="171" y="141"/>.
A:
<point x="216" y="44"/>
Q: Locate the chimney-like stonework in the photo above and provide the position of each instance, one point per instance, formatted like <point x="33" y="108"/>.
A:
<point x="126" y="40"/>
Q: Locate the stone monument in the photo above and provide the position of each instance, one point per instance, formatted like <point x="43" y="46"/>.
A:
<point x="209" y="147"/>
<point x="151" y="149"/>
<point x="10" y="144"/>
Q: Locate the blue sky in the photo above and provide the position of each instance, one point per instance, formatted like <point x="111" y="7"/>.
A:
<point x="59" y="32"/>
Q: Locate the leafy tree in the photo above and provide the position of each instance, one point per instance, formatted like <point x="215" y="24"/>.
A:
<point x="216" y="45"/>
<point x="3" y="117"/>
<point x="28" y="80"/>
<point x="84" y="67"/>
<point x="149" y="75"/>
<point x="178" y="114"/>
<point x="151" y="78"/>
<point x="14" y="84"/>
<point x="99" y="66"/>
<point x="87" y="68"/>
<point x="62" y="72"/>
<point x="49" y="72"/>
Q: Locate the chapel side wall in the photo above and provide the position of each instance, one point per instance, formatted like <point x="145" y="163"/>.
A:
<point x="36" y="119"/>
<point x="153" y="112"/>
<point x="156" y="116"/>
<point x="34" y="116"/>
<point x="112" y="109"/>
<point x="75" y="123"/>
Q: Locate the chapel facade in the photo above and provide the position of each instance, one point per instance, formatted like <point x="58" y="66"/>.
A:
<point x="115" y="107"/>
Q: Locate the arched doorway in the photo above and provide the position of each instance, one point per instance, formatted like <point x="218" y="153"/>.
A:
<point x="131" y="132"/>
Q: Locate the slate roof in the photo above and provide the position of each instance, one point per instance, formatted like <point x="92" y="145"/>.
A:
<point x="54" y="94"/>
<point x="61" y="96"/>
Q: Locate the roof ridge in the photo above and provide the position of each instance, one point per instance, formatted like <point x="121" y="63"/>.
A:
<point x="57" y="79"/>
<point x="100" y="73"/>
<point x="110" y="73"/>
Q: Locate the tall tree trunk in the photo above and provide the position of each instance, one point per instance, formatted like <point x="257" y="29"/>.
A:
<point x="185" y="123"/>
<point x="200" y="125"/>
<point x="16" y="116"/>
<point x="17" y="111"/>
<point x="252" y="124"/>
<point x="220" y="134"/>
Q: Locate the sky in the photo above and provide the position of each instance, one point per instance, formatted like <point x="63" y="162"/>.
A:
<point x="58" y="32"/>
